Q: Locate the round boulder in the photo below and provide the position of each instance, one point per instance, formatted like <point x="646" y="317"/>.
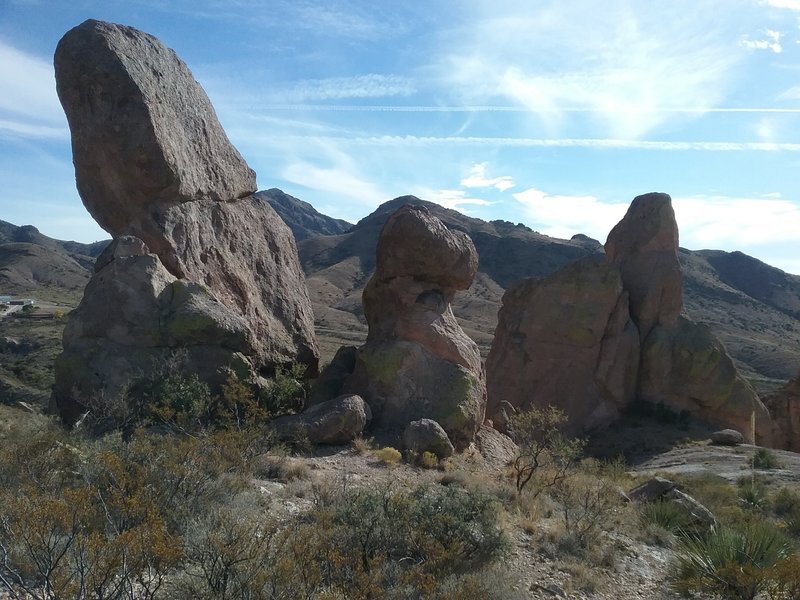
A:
<point x="727" y="437"/>
<point x="426" y="435"/>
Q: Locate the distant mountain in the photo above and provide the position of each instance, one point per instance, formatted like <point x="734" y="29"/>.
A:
<point x="34" y="264"/>
<point x="302" y="218"/>
<point x="751" y="306"/>
<point x="754" y="308"/>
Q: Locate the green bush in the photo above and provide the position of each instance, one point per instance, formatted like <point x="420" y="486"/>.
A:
<point x="730" y="563"/>
<point x="764" y="458"/>
<point x="545" y="455"/>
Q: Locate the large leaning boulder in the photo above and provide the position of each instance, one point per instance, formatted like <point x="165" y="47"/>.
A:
<point x="565" y="340"/>
<point x="417" y="362"/>
<point x="152" y="162"/>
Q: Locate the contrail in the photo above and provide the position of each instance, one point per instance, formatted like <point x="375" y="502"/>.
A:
<point x="512" y="109"/>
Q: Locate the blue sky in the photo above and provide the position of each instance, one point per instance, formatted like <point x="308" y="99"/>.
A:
<point x="547" y="112"/>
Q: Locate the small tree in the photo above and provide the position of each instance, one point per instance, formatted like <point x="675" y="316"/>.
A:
<point x="544" y="451"/>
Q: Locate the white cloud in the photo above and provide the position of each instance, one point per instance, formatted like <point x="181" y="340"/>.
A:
<point x="736" y="223"/>
<point x="752" y="225"/>
<point x="772" y="42"/>
<point x="453" y="199"/>
<point x="790" y="4"/>
<point x="628" y="64"/>
<point x="477" y="179"/>
<point x="563" y="216"/>
<point x="29" y="105"/>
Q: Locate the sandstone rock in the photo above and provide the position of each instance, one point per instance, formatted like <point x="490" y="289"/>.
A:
<point x="687" y="368"/>
<point x="566" y="340"/>
<point x="143" y="130"/>
<point x="644" y="245"/>
<point x="727" y="437"/>
<point x="497" y="449"/>
<point x="427" y="435"/>
<point x="417" y="362"/>
<point x="784" y="405"/>
<point x="134" y="316"/>
<point x="337" y="421"/>
<point x="155" y="169"/>
<point x="650" y="490"/>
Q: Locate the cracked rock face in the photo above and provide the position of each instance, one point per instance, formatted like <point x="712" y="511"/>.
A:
<point x="417" y="362"/>
<point x="156" y="170"/>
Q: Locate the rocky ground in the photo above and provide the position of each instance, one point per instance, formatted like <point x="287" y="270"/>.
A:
<point x="628" y="566"/>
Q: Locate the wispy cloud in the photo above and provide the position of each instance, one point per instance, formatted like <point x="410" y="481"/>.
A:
<point x="453" y="199"/>
<point x="372" y="85"/>
<point x="29" y="106"/>
<point x="547" y="55"/>
<point x="477" y="179"/>
<point x="598" y="143"/>
<point x="771" y="42"/>
<point x="790" y="4"/>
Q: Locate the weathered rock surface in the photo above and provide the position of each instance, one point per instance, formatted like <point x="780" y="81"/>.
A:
<point x="727" y="437"/>
<point x="660" y="489"/>
<point x="152" y="162"/>
<point x="644" y="245"/>
<point x="337" y="421"/>
<point x="566" y="340"/>
<point x="426" y="435"/>
<point x="569" y="340"/>
<point x="687" y="368"/>
<point x="417" y="362"/>
<point x="133" y="317"/>
<point x="785" y="408"/>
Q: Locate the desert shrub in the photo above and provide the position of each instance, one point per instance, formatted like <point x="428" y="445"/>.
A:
<point x="283" y="468"/>
<point x="362" y="446"/>
<point x="764" y="458"/>
<point x="544" y="452"/>
<point x="426" y="460"/>
<point x="667" y="515"/>
<point x="286" y="393"/>
<point x="731" y="563"/>
<point x="783" y="579"/>
<point x="753" y="493"/>
<point x="388" y="455"/>
<point x="586" y="505"/>
<point x="785" y="501"/>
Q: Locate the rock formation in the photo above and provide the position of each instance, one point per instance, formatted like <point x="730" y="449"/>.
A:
<point x="155" y="169"/>
<point x="644" y="246"/>
<point x="568" y="340"/>
<point x="417" y="362"/>
<point x="784" y="405"/>
<point x="334" y="422"/>
<point x="683" y="365"/>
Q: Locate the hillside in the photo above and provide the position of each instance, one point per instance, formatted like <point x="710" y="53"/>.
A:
<point x="751" y="306"/>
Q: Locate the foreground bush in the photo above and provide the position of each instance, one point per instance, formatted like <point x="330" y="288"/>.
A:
<point x="732" y="564"/>
<point x="176" y="516"/>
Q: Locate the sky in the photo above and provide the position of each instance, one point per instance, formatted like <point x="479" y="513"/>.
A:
<point x="550" y="113"/>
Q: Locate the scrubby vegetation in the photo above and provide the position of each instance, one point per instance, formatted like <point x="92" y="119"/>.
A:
<point x="173" y="507"/>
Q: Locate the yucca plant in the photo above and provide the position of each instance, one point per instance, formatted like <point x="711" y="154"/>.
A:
<point x="729" y="563"/>
<point x="668" y="515"/>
